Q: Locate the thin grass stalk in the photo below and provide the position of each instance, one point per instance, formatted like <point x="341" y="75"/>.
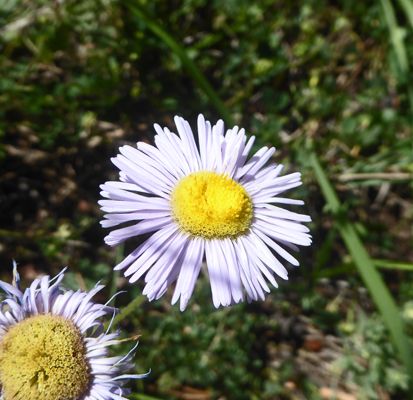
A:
<point x="407" y="6"/>
<point x="116" y="274"/>
<point x="350" y="267"/>
<point x="371" y="277"/>
<point x="397" y="40"/>
<point x="396" y="36"/>
<point x="385" y="264"/>
<point x="189" y="65"/>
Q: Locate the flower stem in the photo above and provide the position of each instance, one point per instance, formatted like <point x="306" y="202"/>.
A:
<point x="127" y="310"/>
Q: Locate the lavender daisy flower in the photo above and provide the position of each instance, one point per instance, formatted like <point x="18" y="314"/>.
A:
<point x="53" y="347"/>
<point x="204" y="200"/>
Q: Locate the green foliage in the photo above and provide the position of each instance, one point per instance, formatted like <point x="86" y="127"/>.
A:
<point x="374" y="364"/>
<point x="58" y="62"/>
<point x="80" y="78"/>
<point x="378" y="290"/>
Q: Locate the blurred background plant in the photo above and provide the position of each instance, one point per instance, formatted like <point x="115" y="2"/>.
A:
<point x="80" y="78"/>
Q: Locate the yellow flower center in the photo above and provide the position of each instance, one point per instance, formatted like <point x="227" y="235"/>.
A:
<point x="43" y="358"/>
<point x="210" y="205"/>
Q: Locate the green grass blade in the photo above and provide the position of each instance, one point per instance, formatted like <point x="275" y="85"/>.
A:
<point x="385" y="264"/>
<point x="396" y="35"/>
<point x="190" y="66"/>
<point x="350" y="267"/>
<point x="337" y="270"/>
<point x="407" y="6"/>
<point x="371" y="277"/>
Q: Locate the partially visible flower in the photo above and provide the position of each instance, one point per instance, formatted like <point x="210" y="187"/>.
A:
<point x="53" y="346"/>
<point x="204" y="200"/>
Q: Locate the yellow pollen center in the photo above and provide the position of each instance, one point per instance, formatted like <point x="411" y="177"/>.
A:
<point x="210" y="205"/>
<point x="43" y="358"/>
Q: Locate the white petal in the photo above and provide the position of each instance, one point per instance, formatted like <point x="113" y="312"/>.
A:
<point x="189" y="272"/>
<point x="189" y="145"/>
<point x="161" y="270"/>
<point x="262" y="178"/>
<point x="264" y="254"/>
<point x="283" y="200"/>
<point x="278" y="212"/>
<point x="232" y="156"/>
<point x="269" y="187"/>
<point x="149" y="252"/>
<point x="148" y="165"/>
<point x="217" y="284"/>
<point x="209" y="158"/>
<point x="120" y="235"/>
<point x="256" y="165"/>
<point x="217" y="132"/>
<point x="288" y="225"/>
<point x="177" y="143"/>
<point x="222" y="266"/>
<point x="243" y="158"/>
<point x="203" y="140"/>
<point x="169" y="256"/>
<point x="157" y="155"/>
<point x="260" y="157"/>
<point x="116" y="219"/>
<point x="234" y="271"/>
<point x="266" y="197"/>
<point x="299" y="238"/>
<point x="245" y="272"/>
<point x="253" y="274"/>
<point x="115" y="193"/>
<point x="152" y="183"/>
<point x="152" y="203"/>
<point x="169" y="151"/>
<point x="283" y="253"/>
<point x="171" y="146"/>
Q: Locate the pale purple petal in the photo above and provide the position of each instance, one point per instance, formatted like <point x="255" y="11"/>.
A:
<point x="234" y="265"/>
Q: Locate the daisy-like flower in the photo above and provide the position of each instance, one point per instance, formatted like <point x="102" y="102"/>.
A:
<point x="53" y="346"/>
<point x="203" y="200"/>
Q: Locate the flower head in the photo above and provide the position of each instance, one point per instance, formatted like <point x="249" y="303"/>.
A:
<point x="52" y="345"/>
<point x="204" y="200"/>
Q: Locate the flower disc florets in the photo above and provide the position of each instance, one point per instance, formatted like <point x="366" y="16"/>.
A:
<point x="210" y="205"/>
<point x="43" y="358"/>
